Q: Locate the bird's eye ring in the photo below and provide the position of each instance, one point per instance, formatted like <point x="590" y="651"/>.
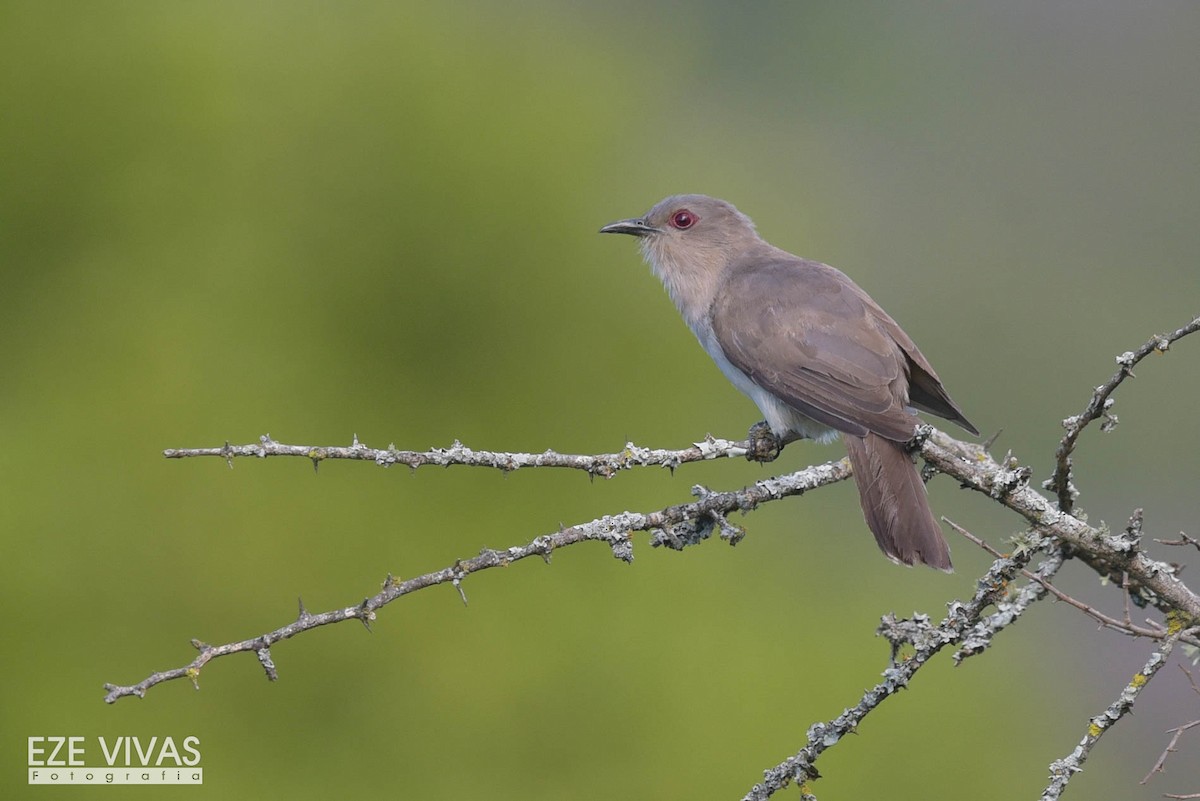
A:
<point x="683" y="219"/>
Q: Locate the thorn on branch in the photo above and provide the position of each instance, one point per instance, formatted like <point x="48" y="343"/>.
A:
<point x="458" y="575"/>
<point x="264" y="659"/>
<point x="365" y="613"/>
<point x="1110" y="420"/>
<point x="1160" y="765"/>
<point x="544" y="547"/>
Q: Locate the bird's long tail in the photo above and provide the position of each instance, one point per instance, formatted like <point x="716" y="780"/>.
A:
<point x="895" y="503"/>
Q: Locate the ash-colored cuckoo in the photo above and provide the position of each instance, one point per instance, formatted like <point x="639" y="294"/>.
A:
<point x="812" y="349"/>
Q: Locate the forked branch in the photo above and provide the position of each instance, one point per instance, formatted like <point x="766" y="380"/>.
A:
<point x="675" y="527"/>
<point x="1098" y="406"/>
<point x="1052" y="529"/>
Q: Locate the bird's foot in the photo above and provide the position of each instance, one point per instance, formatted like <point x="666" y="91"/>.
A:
<point x="764" y="444"/>
<point x="923" y="432"/>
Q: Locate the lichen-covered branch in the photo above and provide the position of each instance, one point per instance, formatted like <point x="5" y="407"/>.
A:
<point x="1157" y="583"/>
<point x="1098" y="406"/>
<point x="1061" y="770"/>
<point x="673" y="527"/>
<point x="605" y="465"/>
<point x="1053" y="529"/>
<point x="964" y="622"/>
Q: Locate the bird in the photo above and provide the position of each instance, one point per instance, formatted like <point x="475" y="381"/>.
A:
<point x="814" y="352"/>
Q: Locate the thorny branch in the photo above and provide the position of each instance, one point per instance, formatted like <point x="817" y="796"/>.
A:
<point x="1061" y="770"/>
<point x="1052" y="529"/>
<point x="605" y="465"/>
<point x="968" y="463"/>
<point x="1176" y="733"/>
<point x="1157" y="583"/>
<point x="963" y="623"/>
<point x="1061" y="482"/>
<point x="674" y="527"/>
<point x="1126" y="626"/>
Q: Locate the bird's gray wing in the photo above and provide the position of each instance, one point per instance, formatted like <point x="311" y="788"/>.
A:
<point x="808" y="335"/>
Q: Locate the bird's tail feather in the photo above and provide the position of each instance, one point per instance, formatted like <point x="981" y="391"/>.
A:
<point x="894" y="502"/>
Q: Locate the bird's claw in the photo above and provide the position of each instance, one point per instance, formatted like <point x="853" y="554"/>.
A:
<point x="764" y="444"/>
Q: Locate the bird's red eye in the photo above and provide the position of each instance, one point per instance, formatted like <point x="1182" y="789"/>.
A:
<point x="683" y="219"/>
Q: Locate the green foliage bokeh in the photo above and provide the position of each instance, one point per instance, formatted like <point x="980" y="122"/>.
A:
<point x="220" y="220"/>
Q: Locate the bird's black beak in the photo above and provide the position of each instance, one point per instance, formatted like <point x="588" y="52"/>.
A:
<point x="634" y="227"/>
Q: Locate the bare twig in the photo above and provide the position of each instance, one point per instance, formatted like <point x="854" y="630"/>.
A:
<point x="1170" y="749"/>
<point x="1061" y="770"/>
<point x="674" y="527"/>
<point x="1176" y="733"/>
<point x="1191" y="679"/>
<point x="1061" y="482"/>
<point x="1183" y="541"/>
<point x="1126" y="626"/>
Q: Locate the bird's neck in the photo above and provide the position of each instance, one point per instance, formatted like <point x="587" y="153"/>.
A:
<point x="691" y="282"/>
<point x="692" y="279"/>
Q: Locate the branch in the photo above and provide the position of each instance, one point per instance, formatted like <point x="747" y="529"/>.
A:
<point x="1126" y="626"/>
<point x="605" y="465"/>
<point x="1184" y="540"/>
<point x="674" y="527"/>
<point x="1161" y="764"/>
<point x="1053" y="529"/>
<point x="1156" y="582"/>
<point x="1007" y="612"/>
<point x="1061" y="770"/>
<point x="963" y="623"/>
<point x="1061" y="482"/>
<point x="970" y="464"/>
<point x="1177" y="732"/>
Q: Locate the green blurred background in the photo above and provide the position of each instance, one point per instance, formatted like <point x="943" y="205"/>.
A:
<point x="219" y="220"/>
